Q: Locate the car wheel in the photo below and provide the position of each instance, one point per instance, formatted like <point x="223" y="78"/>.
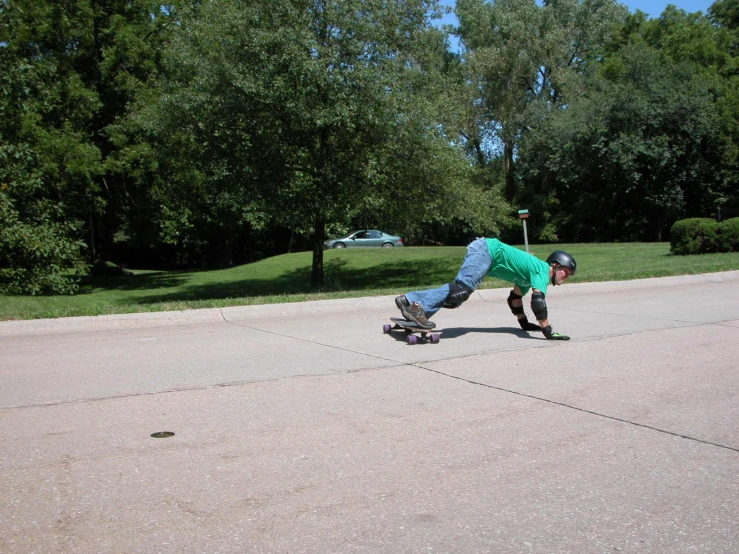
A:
<point x="339" y="245"/>
<point x="387" y="245"/>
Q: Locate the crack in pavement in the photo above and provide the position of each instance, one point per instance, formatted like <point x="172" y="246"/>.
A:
<point x="571" y="407"/>
<point x="399" y="363"/>
<point x="510" y="391"/>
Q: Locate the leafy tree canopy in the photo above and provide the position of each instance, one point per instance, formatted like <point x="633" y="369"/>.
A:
<point x="302" y="112"/>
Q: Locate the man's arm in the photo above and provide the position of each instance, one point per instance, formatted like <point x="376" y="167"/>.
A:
<point x="539" y="307"/>
<point x="515" y="303"/>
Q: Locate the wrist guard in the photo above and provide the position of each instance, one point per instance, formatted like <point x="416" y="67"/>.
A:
<point x="550" y="334"/>
<point x="526" y="326"/>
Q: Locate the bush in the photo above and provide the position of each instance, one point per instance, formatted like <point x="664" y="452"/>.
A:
<point x="694" y="236"/>
<point x="37" y="257"/>
<point x="703" y="236"/>
<point x="728" y="235"/>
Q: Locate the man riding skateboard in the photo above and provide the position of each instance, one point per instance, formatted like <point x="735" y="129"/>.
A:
<point x="497" y="259"/>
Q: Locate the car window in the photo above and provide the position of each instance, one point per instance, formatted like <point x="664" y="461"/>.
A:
<point x="360" y="235"/>
<point x="375" y="234"/>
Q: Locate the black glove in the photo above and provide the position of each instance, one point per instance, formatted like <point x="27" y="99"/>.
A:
<point x="526" y="326"/>
<point x="550" y="334"/>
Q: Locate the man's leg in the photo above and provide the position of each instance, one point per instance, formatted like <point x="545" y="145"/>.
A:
<point x="430" y="300"/>
<point x="475" y="266"/>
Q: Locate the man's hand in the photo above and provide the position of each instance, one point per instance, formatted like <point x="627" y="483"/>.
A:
<point x="550" y="334"/>
<point x="526" y="326"/>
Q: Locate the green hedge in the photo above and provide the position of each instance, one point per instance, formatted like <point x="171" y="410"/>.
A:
<point x="728" y="235"/>
<point x="703" y="236"/>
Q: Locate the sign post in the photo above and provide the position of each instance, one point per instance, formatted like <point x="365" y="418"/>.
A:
<point x="523" y="214"/>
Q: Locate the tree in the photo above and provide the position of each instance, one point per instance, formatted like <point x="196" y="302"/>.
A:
<point x="39" y="251"/>
<point x="639" y="151"/>
<point x="725" y="13"/>
<point x="300" y="112"/>
<point x="528" y="59"/>
<point x="72" y="68"/>
<point x="710" y="46"/>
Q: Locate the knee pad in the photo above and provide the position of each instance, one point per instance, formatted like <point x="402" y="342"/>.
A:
<point x="539" y="305"/>
<point x="458" y="294"/>
<point x="516" y="310"/>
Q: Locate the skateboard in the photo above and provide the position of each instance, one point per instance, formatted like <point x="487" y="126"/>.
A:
<point x="411" y="327"/>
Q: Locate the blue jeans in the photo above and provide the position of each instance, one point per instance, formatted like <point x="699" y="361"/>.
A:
<point x="475" y="266"/>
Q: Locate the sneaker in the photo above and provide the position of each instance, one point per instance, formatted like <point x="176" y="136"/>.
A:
<point x="413" y="312"/>
<point x="402" y="303"/>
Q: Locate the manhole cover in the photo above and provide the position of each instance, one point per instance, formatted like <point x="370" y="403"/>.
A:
<point x="162" y="435"/>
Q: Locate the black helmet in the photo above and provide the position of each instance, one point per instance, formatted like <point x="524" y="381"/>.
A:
<point x="560" y="257"/>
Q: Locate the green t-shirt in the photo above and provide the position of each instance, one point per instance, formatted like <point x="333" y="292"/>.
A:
<point x="518" y="267"/>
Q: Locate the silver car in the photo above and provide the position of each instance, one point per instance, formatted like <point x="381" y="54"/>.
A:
<point x="367" y="238"/>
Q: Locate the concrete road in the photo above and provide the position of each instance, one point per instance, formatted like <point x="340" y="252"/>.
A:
<point x="302" y="428"/>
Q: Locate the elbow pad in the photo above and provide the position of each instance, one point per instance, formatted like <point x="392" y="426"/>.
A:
<point x="514" y="309"/>
<point x="539" y="305"/>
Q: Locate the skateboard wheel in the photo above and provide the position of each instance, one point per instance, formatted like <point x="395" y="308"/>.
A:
<point x="386" y="328"/>
<point x="412" y="339"/>
<point x="434" y="338"/>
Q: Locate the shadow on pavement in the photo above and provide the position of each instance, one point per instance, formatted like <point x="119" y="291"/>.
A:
<point x="456" y="332"/>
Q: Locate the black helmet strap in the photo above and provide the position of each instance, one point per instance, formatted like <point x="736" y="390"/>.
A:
<point x="556" y="266"/>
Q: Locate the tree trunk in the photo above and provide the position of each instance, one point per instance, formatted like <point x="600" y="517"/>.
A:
<point x="93" y="248"/>
<point x="510" y="183"/>
<point x="317" y="276"/>
<point x="480" y="153"/>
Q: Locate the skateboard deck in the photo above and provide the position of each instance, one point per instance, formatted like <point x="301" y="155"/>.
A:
<point x="411" y="327"/>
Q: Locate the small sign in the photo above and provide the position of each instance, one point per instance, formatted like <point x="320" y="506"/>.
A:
<point x="523" y="214"/>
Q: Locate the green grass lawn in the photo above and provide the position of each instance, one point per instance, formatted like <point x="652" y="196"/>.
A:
<point x="349" y="273"/>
